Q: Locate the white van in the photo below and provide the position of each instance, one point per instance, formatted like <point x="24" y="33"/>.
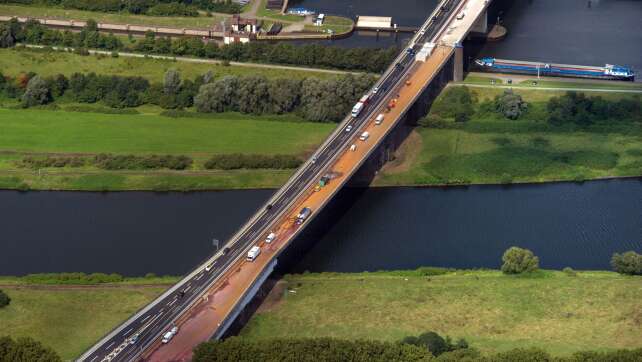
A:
<point x="169" y="335"/>
<point x="379" y="119"/>
<point x="270" y="238"/>
<point x="364" y="136"/>
<point x="253" y="253"/>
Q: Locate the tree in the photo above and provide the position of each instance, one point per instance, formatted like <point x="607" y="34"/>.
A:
<point x="510" y="104"/>
<point x="253" y="95"/>
<point x="172" y="82"/>
<point x="284" y="95"/>
<point x="219" y="96"/>
<point x="26" y="350"/>
<point x="517" y="260"/>
<point x="37" y="92"/>
<point x="627" y="263"/>
<point x="435" y="343"/>
<point x="4" y="299"/>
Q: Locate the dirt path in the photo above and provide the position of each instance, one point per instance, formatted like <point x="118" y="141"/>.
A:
<point x="251" y="14"/>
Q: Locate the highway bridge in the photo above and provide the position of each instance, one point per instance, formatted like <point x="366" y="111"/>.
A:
<point x="205" y="303"/>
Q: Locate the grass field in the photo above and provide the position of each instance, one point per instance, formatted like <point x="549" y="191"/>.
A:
<point x="58" y="132"/>
<point x="491" y="150"/>
<point x="15" y="61"/>
<point x="493" y="312"/>
<point x="70" y="320"/>
<point x="114" y="18"/>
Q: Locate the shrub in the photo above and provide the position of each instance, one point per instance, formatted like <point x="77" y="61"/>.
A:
<point x="454" y="102"/>
<point x="627" y="263"/>
<point x="517" y="260"/>
<point x="4" y="299"/>
<point x="510" y="105"/>
<point x="71" y="278"/>
<point x="462" y="117"/>
<point x="52" y="161"/>
<point x="239" y="161"/>
<point x="435" y="343"/>
<point x="430" y="271"/>
<point x="132" y="162"/>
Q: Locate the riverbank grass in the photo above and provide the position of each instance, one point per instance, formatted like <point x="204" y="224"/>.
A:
<point x="14" y="61"/>
<point x="493" y="312"/>
<point x="61" y="133"/>
<point x="69" y="319"/>
<point x="491" y="150"/>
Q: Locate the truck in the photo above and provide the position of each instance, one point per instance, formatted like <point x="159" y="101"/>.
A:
<point x="359" y="106"/>
<point x="253" y="253"/>
<point x="379" y="119"/>
<point x="303" y="215"/>
<point x="324" y="180"/>
<point x="364" y="136"/>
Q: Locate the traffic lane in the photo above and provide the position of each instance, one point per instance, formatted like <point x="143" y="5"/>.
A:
<point x="261" y="226"/>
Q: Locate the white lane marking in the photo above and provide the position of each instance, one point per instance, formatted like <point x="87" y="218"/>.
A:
<point x="199" y="276"/>
<point x="111" y="344"/>
<point x="126" y="333"/>
<point x="186" y="289"/>
<point x="172" y="303"/>
<point x="93" y="359"/>
<point x="146" y="318"/>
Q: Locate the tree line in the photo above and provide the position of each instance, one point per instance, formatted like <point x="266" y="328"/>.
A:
<point x="329" y="349"/>
<point x="313" y="99"/>
<point x="139" y="7"/>
<point x="460" y="104"/>
<point x="311" y="55"/>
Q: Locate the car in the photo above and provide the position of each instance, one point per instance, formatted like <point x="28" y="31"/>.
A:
<point x="134" y="338"/>
<point x="349" y="128"/>
<point x="399" y="65"/>
<point x="270" y="238"/>
<point x="353" y="148"/>
<point x="226" y="250"/>
<point x="313" y="160"/>
<point x="317" y="188"/>
<point x="375" y="90"/>
<point x="209" y="267"/>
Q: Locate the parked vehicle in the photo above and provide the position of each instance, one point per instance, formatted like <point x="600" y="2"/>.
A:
<point x="379" y="119"/>
<point x="253" y="253"/>
<point x="303" y="215"/>
<point x="364" y="136"/>
<point x="353" y="148"/>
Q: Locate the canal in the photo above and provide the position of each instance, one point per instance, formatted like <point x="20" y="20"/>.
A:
<point x="133" y="233"/>
<point x="553" y="31"/>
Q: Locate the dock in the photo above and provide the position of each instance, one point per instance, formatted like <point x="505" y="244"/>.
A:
<point x="381" y="23"/>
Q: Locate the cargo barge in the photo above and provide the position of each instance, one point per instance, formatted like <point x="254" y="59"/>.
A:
<point x="609" y="71"/>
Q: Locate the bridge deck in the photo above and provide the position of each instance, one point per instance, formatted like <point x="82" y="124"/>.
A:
<point x="202" y="321"/>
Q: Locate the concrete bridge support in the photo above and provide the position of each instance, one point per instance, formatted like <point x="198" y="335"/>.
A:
<point x="481" y="25"/>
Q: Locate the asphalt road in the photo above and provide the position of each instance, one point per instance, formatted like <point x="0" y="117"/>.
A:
<point x="130" y="339"/>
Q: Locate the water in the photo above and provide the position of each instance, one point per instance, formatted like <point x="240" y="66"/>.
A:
<point x="565" y="224"/>
<point x="134" y="233"/>
<point x="130" y="233"/>
<point x="554" y="31"/>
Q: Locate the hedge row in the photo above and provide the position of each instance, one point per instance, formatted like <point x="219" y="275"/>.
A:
<point x="72" y="278"/>
<point x="239" y="161"/>
<point x="132" y="162"/>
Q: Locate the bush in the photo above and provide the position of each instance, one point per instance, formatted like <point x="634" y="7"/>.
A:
<point x="240" y="161"/>
<point x="71" y="278"/>
<point x="627" y="263"/>
<point x="577" y="108"/>
<point x="517" y="260"/>
<point x="131" y="162"/>
<point x="52" y="161"/>
<point x="4" y="299"/>
<point x="431" y="271"/>
<point x="462" y="117"/>
<point x="510" y="105"/>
